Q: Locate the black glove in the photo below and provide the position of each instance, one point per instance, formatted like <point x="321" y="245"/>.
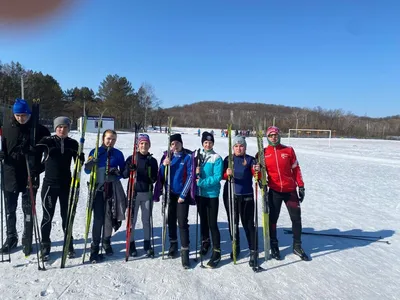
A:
<point x="132" y="167"/>
<point x="82" y="158"/>
<point x="114" y="171"/>
<point x="302" y="193"/>
<point x="2" y="155"/>
<point x="90" y="163"/>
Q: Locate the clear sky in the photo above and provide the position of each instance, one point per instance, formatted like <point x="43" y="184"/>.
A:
<point x="336" y="54"/>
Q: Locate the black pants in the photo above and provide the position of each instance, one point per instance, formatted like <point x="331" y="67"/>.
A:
<point x="102" y="219"/>
<point x="291" y="200"/>
<point x="243" y="206"/>
<point x="178" y="212"/>
<point x="208" y="212"/>
<point x="11" y="201"/>
<point x="50" y="194"/>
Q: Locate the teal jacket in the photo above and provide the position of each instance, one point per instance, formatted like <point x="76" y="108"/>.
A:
<point x="211" y="167"/>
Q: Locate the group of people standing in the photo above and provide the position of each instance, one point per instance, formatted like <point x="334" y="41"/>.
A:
<point x="194" y="179"/>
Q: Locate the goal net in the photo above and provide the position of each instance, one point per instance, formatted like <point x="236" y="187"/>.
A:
<point x="323" y="134"/>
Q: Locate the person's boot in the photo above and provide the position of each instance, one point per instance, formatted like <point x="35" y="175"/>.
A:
<point x="173" y="249"/>
<point x="215" y="259"/>
<point x="275" y="253"/>
<point x="253" y="258"/>
<point x="94" y="253"/>
<point x="45" y="248"/>
<point x="10" y="243"/>
<point x="147" y="248"/>
<point x="205" y="246"/>
<point x="185" y="258"/>
<point x="132" y="249"/>
<point x="107" y="247"/>
<point x="298" y="250"/>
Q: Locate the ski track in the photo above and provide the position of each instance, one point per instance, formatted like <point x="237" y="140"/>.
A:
<point x="351" y="188"/>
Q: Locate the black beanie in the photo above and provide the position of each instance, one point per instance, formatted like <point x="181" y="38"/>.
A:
<point x="207" y="137"/>
<point x="176" y="137"/>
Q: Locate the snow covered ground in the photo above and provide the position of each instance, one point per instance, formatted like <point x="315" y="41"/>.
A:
<point x="353" y="187"/>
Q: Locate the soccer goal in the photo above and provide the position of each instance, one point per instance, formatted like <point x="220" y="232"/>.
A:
<point x="310" y="133"/>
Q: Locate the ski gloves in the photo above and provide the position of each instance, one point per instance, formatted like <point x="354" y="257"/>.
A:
<point x="302" y="193"/>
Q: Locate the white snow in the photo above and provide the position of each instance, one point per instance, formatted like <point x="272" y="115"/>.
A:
<point x="353" y="187"/>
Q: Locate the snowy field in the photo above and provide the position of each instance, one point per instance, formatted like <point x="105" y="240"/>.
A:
<point x="352" y="188"/>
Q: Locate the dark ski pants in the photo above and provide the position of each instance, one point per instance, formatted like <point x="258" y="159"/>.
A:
<point x="102" y="219"/>
<point x="244" y="207"/>
<point x="11" y="201"/>
<point x="50" y="194"/>
<point x="291" y="200"/>
<point x="178" y="212"/>
<point x="208" y="212"/>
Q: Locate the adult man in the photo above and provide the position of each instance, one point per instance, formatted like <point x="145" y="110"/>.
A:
<point x="16" y="150"/>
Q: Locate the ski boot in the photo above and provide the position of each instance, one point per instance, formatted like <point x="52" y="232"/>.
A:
<point x="298" y="250"/>
<point x="253" y="258"/>
<point x="10" y="243"/>
<point x="107" y="247"/>
<point x="215" y="259"/>
<point x="275" y="253"/>
<point x="173" y="249"/>
<point x="185" y="258"/>
<point x="132" y="249"/>
<point x="147" y="248"/>
<point x="205" y="246"/>
<point x="94" y="254"/>
<point x="45" y="250"/>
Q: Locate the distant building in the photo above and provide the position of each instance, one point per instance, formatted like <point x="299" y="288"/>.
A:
<point x="93" y="123"/>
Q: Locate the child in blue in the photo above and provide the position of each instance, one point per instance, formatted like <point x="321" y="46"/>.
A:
<point x="209" y="174"/>
<point x="109" y="203"/>
<point x="244" y="167"/>
<point x="178" y="208"/>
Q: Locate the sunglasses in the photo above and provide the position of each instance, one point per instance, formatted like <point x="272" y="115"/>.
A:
<point x="272" y="135"/>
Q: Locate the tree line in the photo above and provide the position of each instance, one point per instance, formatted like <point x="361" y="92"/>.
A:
<point x="117" y="95"/>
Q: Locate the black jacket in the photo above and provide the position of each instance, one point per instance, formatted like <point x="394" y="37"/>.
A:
<point x="15" y="137"/>
<point x="58" y="154"/>
<point x="143" y="179"/>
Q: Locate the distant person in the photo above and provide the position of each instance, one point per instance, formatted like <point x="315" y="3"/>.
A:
<point x="198" y="132"/>
<point x="284" y="176"/>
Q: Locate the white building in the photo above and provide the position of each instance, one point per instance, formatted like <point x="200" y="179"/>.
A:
<point x="93" y="123"/>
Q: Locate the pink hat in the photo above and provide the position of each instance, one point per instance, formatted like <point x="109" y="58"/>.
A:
<point x="144" y="138"/>
<point x="272" y="130"/>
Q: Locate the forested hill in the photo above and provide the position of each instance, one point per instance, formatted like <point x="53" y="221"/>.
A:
<point x="215" y="114"/>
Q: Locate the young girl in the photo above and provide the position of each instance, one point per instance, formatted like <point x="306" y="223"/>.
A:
<point x="244" y="168"/>
<point x="209" y="174"/>
<point x="146" y="174"/>
<point x="109" y="203"/>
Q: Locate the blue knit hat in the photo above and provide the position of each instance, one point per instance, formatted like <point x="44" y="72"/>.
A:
<point x="21" y="107"/>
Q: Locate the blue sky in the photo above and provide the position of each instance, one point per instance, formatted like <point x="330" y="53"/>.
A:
<point x="336" y="54"/>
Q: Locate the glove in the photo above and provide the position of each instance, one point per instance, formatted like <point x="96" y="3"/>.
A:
<point x="132" y="167"/>
<point x="302" y="193"/>
<point x="114" y="171"/>
<point x="27" y="149"/>
<point x="90" y="163"/>
<point x="2" y="155"/>
<point x="82" y="158"/>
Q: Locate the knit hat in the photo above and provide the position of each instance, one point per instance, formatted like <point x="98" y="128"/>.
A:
<point x="21" y="107"/>
<point x="207" y="137"/>
<point x="273" y="130"/>
<point x="241" y="140"/>
<point x="144" y="138"/>
<point x="176" y="137"/>
<point x="62" y="121"/>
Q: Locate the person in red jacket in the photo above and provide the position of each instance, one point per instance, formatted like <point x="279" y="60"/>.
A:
<point x="284" y="177"/>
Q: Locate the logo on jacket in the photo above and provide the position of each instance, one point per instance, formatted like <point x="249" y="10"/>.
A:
<point x="284" y="155"/>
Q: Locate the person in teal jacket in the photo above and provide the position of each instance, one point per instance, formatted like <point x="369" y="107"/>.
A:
<point x="209" y="174"/>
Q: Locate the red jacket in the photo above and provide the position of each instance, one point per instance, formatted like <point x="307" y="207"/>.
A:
<point x="283" y="169"/>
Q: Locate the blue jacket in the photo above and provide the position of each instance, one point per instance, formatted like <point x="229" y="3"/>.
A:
<point x="211" y="167"/>
<point x="181" y="173"/>
<point x="116" y="161"/>
<point x="242" y="173"/>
